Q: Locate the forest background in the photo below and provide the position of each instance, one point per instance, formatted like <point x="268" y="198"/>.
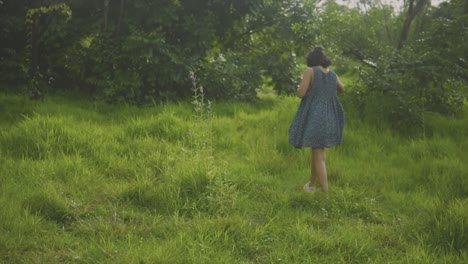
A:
<point x="140" y="51"/>
<point x="138" y="131"/>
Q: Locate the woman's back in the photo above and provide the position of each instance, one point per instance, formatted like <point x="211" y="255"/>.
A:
<point x="324" y="85"/>
<point x="319" y="120"/>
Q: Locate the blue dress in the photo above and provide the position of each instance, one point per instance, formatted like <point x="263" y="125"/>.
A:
<point x="319" y="120"/>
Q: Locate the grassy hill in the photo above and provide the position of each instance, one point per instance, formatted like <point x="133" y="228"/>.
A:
<point x="85" y="182"/>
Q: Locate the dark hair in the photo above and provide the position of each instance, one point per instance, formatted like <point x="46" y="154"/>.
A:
<point x="318" y="57"/>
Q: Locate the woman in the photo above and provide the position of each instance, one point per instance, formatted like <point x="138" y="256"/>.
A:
<point x="319" y="120"/>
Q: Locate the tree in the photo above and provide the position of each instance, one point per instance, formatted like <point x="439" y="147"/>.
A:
<point x="414" y="8"/>
<point x="424" y="72"/>
<point x="12" y="42"/>
<point x="39" y="17"/>
<point x="141" y="50"/>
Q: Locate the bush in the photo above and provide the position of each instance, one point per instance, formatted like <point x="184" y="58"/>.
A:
<point x="229" y="76"/>
<point x="403" y="86"/>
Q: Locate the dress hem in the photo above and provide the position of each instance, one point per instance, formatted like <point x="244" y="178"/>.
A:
<point x="321" y="147"/>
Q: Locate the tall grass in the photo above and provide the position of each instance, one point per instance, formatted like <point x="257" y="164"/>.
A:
<point x="84" y="182"/>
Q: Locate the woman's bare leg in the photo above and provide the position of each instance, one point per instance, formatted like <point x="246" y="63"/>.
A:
<point x="313" y="174"/>
<point x="319" y="169"/>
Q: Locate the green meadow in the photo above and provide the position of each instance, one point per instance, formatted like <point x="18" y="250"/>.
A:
<point x="89" y="182"/>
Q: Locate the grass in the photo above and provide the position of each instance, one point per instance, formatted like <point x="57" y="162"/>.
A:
<point x="85" y="182"/>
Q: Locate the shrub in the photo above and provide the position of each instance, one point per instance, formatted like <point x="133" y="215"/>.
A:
<point x="404" y="85"/>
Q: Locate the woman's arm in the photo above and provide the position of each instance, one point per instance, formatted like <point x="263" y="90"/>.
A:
<point x="340" y="85"/>
<point x="307" y="79"/>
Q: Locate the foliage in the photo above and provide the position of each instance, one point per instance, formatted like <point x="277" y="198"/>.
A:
<point x="227" y="75"/>
<point x="61" y="8"/>
<point x="136" y="50"/>
<point x="428" y="73"/>
<point x="12" y="43"/>
<point x="143" y="51"/>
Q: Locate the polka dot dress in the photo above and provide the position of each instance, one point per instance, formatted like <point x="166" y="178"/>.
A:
<point x="319" y="120"/>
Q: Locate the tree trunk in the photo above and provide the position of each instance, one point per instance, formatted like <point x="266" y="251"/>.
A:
<point x="387" y="28"/>
<point x="39" y="25"/>
<point x="35" y="88"/>
<point x="106" y="13"/>
<point x="121" y="15"/>
<point x="413" y="11"/>
<point x="35" y="32"/>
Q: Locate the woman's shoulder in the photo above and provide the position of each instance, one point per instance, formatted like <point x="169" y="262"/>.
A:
<point x="308" y="73"/>
<point x="312" y="69"/>
<point x="309" y="70"/>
